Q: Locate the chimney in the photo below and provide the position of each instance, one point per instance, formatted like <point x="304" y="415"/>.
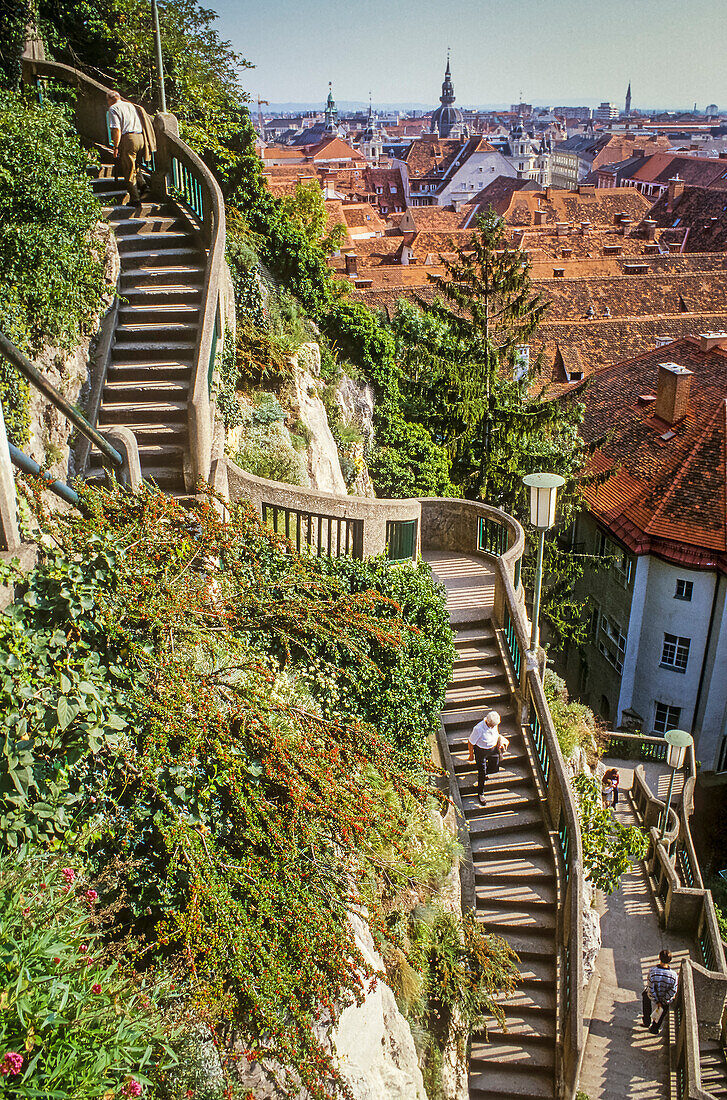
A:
<point x="585" y="227"/>
<point x="538" y="217"/>
<point x="351" y="263"/>
<point x="626" y="226"/>
<point x="674" y="193"/>
<point x="672" y="392"/>
<point x="649" y="229"/>
<point x="561" y="228"/>
<point x="618" y="218"/>
<point x="709" y="340"/>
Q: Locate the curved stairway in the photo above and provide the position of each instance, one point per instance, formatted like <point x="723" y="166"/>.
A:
<point x="515" y="876"/>
<point x="151" y="359"/>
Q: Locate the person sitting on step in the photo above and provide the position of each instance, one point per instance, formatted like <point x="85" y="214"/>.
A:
<point x="487" y="746"/>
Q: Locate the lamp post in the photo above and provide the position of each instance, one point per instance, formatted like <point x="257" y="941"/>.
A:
<point x="158" y="50"/>
<point x="678" y="742"/>
<point x="543" y="492"/>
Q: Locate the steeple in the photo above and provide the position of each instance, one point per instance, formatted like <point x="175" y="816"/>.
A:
<point x="331" y="110"/>
<point x="628" y="99"/>
<point x="447" y="97"/>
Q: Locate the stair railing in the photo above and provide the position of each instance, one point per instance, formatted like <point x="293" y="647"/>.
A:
<point x="179" y="171"/>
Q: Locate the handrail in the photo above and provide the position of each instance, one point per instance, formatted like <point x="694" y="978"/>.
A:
<point x="29" y="466"/>
<point x="207" y="203"/>
<point x="208" y="209"/>
<point x="13" y="354"/>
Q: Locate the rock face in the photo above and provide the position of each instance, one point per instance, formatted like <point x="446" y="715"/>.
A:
<point x="356" y="403"/>
<point x="591" y="933"/>
<point x="324" y="467"/>
<point x="50" y="431"/>
<point x="376" y="1052"/>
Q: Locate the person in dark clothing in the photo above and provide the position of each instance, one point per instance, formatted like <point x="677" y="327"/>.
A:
<point x="660" y="992"/>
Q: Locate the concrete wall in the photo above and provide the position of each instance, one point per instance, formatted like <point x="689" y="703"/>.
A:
<point x="711" y="719"/>
<point x="478" y="171"/>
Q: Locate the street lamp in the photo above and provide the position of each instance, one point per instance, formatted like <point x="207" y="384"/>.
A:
<point x="678" y="742"/>
<point x="158" y="48"/>
<point x="543" y="492"/>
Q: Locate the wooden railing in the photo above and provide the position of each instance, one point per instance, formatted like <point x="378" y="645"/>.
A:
<point x="176" y="169"/>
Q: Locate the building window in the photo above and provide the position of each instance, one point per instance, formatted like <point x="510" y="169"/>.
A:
<point x="675" y="653"/>
<point x="666" y="717"/>
<point x="622" y="561"/>
<point x="379" y="190"/>
<point x="684" y="590"/>
<point x="612" y="642"/>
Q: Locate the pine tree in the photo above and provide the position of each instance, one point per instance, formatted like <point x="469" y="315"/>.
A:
<point x="465" y="377"/>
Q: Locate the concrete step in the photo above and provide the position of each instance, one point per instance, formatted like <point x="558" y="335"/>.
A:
<point x="147" y="297"/>
<point x="472" y="668"/>
<point x="149" y="350"/>
<point x="159" y="257"/>
<point x="142" y="242"/>
<point x="130" y="414"/>
<point x="487" y="849"/>
<point x="168" y="478"/>
<point x="146" y="314"/>
<point x="149" y="390"/>
<point x="521" y="1030"/>
<point x="516" y="920"/>
<point x="499" y="802"/>
<point x="474" y="630"/>
<point x="151" y="209"/>
<point x="134" y="278"/>
<point x="503" y="821"/>
<point x="541" y="895"/>
<point x="147" y="330"/>
<point x="533" y="867"/>
<point x="476" y="691"/>
<point x="134" y="223"/>
<point x="527" y="1056"/>
<point x="466" y="717"/>
<point x="497" y="1083"/>
<point x="139" y="370"/>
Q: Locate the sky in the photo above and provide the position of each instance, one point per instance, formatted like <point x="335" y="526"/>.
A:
<point x="553" y="51"/>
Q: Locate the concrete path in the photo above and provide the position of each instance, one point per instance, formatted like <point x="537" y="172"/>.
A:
<point x="470" y="584"/>
<point x="624" y="1061"/>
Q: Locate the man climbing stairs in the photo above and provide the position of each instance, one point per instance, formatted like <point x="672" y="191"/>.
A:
<point x="515" y="879"/>
<point x="149" y="373"/>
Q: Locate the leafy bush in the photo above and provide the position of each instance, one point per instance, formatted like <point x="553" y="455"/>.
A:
<point x="266" y="451"/>
<point x="246" y="811"/>
<point x="51" y="277"/>
<point x="79" y="1024"/>
<point x="609" y="848"/>
<point x="410" y="464"/>
<point x="575" y="723"/>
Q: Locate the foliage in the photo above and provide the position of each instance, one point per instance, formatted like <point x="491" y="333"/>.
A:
<point x="306" y="209"/>
<point x="14" y="17"/>
<point x="266" y="451"/>
<point x="249" y="809"/>
<point x="226" y="395"/>
<point x="63" y="706"/>
<point x="609" y="848"/>
<point x="114" y="38"/>
<point x="575" y="723"/>
<point x="51" y="276"/>
<point x="82" y="1025"/>
<point x="410" y="464"/>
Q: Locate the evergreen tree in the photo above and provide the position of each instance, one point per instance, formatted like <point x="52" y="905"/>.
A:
<point x="465" y="377"/>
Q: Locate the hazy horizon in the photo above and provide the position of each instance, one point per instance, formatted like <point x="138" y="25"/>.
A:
<point x="560" y="55"/>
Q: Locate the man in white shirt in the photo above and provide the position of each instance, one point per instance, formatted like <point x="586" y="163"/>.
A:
<point x="127" y="139"/>
<point x="485" y="746"/>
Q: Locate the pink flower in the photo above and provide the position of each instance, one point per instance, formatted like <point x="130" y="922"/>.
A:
<point x="68" y="874"/>
<point x="131" y="1088"/>
<point x="11" y="1064"/>
<point x="83" y="948"/>
<point x="96" y="988"/>
<point x="91" y="896"/>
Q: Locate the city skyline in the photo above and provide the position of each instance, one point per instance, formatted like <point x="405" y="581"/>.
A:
<point x="556" y="59"/>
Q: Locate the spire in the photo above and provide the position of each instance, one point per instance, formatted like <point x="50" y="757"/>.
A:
<point x="331" y="110"/>
<point x="447" y="96"/>
<point x="628" y="98"/>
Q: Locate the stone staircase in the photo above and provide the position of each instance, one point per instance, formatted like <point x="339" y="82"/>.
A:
<point x="515" y="878"/>
<point x="713" y="1068"/>
<point x="150" y="366"/>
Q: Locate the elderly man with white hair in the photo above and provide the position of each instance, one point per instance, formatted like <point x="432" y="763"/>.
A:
<point x="127" y="140"/>
<point x="486" y="746"/>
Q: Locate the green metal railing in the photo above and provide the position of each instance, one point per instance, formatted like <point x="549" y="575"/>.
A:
<point x="706" y="950"/>
<point x="513" y="647"/>
<point x="401" y="539"/>
<point x="634" y="748"/>
<point x="188" y="187"/>
<point x="492" y="537"/>
<point x="564" y="841"/>
<point x="541" y="745"/>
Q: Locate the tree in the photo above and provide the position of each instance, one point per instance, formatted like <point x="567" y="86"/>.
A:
<point x="464" y="376"/>
<point x="306" y="209"/>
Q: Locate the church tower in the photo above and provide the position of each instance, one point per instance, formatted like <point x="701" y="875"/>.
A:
<point x="628" y="99"/>
<point x="447" y="120"/>
<point x="331" y="112"/>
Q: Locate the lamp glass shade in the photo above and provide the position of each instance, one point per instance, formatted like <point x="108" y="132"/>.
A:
<point x="543" y="495"/>
<point x="678" y="742"/>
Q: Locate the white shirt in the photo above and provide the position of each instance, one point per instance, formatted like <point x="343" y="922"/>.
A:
<point x="484" y="736"/>
<point x="123" y="117"/>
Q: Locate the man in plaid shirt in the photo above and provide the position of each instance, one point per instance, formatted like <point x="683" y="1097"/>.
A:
<point x="661" y="990"/>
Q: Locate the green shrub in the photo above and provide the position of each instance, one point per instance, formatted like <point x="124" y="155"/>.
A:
<point x="575" y="723"/>
<point x="51" y="276"/>
<point x="266" y="451"/>
<point x="609" y="848"/>
<point x="407" y="463"/>
<point x="82" y="1026"/>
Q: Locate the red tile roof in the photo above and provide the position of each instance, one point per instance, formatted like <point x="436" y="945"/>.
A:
<point x="667" y="492"/>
